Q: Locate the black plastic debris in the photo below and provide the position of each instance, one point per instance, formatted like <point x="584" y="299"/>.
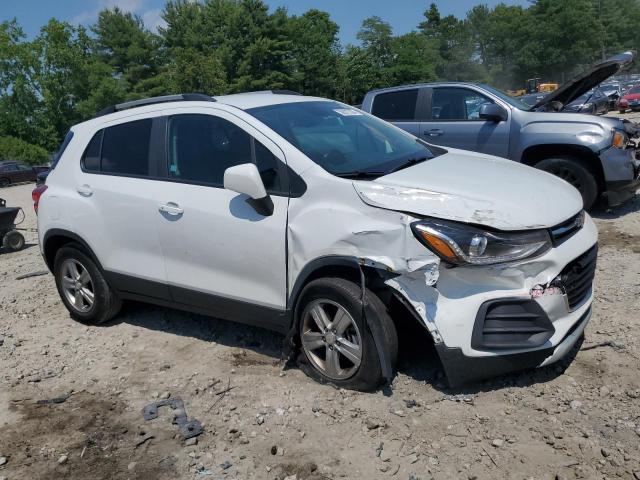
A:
<point x="188" y="428"/>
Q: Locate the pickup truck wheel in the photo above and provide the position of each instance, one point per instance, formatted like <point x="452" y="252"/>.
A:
<point x="575" y="173"/>
<point x="82" y="287"/>
<point x="337" y="345"/>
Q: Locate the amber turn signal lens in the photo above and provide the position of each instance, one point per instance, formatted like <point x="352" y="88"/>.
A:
<point x="619" y="140"/>
<point x="438" y="245"/>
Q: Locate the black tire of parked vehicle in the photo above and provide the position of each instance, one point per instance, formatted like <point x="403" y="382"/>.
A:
<point x="349" y="295"/>
<point x="622" y="111"/>
<point x="13" y="241"/>
<point x="4" y="182"/>
<point x="574" y="172"/>
<point x="106" y="303"/>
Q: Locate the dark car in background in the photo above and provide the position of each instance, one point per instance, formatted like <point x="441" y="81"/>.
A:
<point x="594" y="102"/>
<point x="12" y="171"/>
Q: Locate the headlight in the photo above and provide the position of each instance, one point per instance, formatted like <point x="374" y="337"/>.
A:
<point x="462" y="244"/>
<point x="620" y="139"/>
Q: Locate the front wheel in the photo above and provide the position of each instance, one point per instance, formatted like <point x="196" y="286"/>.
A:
<point x="82" y="287"/>
<point x="336" y="342"/>
<point x="4" y="182"/>
<point x="574" y="172"/>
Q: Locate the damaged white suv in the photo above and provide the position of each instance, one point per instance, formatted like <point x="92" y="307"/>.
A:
<point x="315" y="219"/>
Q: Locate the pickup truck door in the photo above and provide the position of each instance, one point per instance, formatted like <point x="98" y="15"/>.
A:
<point x="453" y="121"/>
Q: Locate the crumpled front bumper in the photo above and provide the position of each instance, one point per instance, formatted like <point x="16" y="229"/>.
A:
<point x="450" y="309"/>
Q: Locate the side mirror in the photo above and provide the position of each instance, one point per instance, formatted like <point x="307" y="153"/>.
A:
<point x="492" y="112"/>
<point x="246" y="179"/>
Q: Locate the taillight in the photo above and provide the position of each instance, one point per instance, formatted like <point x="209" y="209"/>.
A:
<point x="36" y="194"/>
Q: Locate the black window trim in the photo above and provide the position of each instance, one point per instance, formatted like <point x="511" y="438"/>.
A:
<point x="283" y="168"/>
<point x="293" y="186"/>
<point x="429" y="113"/>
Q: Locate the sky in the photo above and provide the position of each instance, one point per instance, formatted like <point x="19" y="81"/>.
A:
<point x="403" y="15"/>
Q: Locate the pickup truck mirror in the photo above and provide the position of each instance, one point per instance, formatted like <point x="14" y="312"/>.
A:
<point x="492" y="112"/>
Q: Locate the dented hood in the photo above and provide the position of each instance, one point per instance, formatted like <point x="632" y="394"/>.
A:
<point x="585" y="81"/>
<point x="475" y="188"/>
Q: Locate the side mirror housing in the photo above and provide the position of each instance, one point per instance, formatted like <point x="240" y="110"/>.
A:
<point x="492" y="112"/>
<point x="246" y="179"/>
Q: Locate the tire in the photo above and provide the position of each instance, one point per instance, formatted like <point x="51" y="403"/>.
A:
<point x="575" y="173"/>
<point x="335" y="295"/>
<point x="13" y="241"/>
<point x="622" y="111"/>
<point x="106" y="304"/>
<point x="4" y="182"/>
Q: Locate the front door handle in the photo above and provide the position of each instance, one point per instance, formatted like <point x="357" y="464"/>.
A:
<point x="85" y="190"/>
<point x="434" y="132"/>
<point x="171" y="208"/>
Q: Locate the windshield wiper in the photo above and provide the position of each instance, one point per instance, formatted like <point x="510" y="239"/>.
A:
<point x="359" y="174"/>
<point x="408" y="163"/>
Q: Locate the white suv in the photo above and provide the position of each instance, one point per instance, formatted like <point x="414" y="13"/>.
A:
<point x="312" y="218"/>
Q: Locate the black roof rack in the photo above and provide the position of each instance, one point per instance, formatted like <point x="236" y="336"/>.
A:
<point x="285" y="92"/>
<point x="181" y="97"/>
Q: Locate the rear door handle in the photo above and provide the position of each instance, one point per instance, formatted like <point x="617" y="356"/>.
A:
<point x="85" y="190"/>
<point x="171" y="208"/>
<point x="434" y="132"/>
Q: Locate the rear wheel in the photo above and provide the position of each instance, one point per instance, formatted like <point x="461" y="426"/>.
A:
<point x="337" y="344"/>
<point x="82" y="287"/>
<point x="574" y="172"/>
<point x="4" y="182"/>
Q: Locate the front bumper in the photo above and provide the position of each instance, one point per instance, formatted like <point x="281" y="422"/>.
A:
<point x="621" y="174"/>
<point x="450" y="309"/>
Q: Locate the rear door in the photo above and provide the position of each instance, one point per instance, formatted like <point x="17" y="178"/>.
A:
<point x="220" y="254"/>
<point x="115" y="208"/>
<point x="400" y="107"/>
<point x="454" y="122"/>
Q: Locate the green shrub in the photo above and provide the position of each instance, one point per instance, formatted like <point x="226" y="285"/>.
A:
<point x="12" y="148"/>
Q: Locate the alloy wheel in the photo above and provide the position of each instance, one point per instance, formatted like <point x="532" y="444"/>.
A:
<point x="77" y="285"/>
<point x="331" y="339"/>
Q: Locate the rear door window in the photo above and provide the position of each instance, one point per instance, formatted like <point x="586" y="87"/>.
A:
<point x="125" y="148"/>
<point x="396" y="106"/>
<point x="202" y="147"/>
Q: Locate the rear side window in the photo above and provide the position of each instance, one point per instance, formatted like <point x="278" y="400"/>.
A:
<point x="121" y="150"/>
<point x="125" y="148"/>
<point x="202" y="147"/>
<point x="396" y="106"/>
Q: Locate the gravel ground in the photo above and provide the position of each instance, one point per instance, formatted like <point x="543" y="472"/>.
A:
<point x="579" y="419"/>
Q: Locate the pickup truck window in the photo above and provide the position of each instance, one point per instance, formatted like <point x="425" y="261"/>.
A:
<point x="456" y="104"/>
<point x="396" y="106"/>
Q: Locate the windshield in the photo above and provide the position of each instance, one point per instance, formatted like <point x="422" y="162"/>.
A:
<point x="341" y="139"/>
<point x="514" y="102"/>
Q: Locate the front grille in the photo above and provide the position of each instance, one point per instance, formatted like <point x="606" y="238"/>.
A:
<point x="509" y="324"/>
<point x="577" y="277"/>
<point x="562" y="232"/>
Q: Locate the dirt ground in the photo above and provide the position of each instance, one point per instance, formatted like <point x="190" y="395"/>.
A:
<point x="579" y="419"/>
